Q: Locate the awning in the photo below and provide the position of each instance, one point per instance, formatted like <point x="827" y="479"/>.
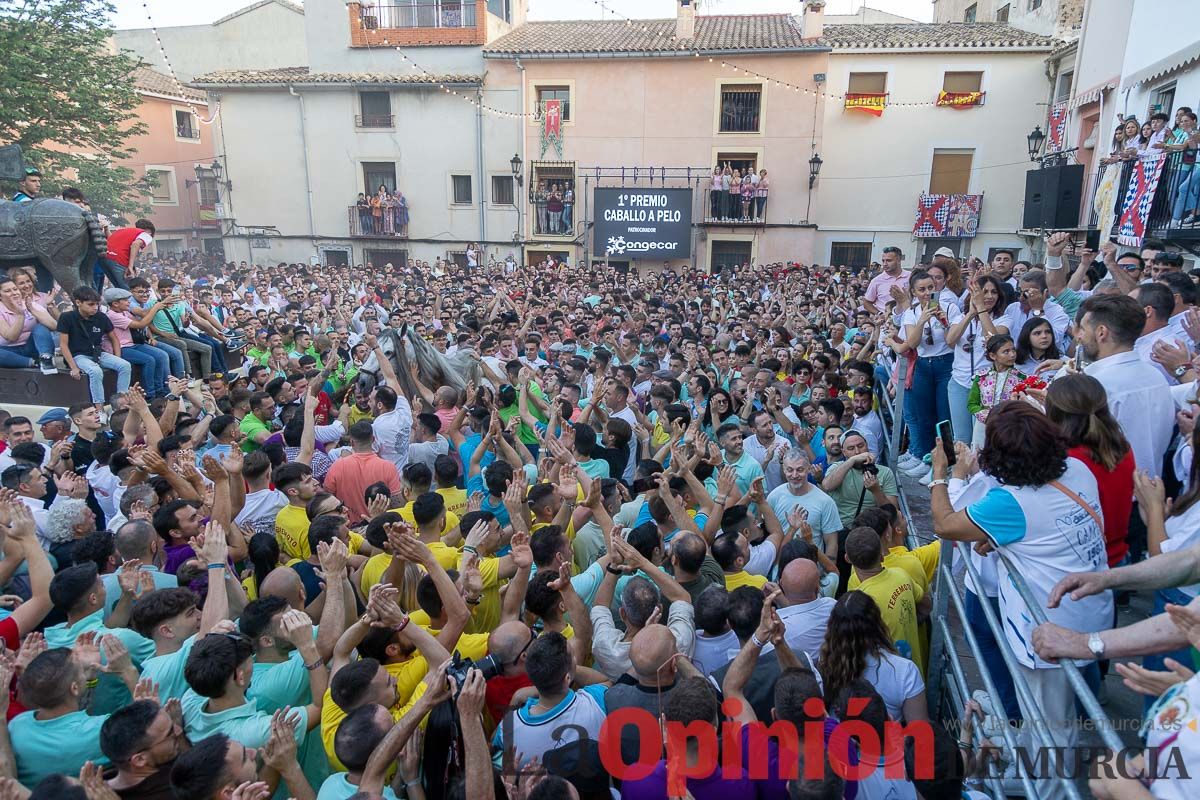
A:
<point x="1176" y="61"/>
<point x="1093" y="94"/>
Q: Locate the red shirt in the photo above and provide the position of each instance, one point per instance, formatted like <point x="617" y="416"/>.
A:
<point x="500" y="691"/>
<point x="121" y="241"/>
<point x="10" y="634"/>
<point x="1116" y="500"/>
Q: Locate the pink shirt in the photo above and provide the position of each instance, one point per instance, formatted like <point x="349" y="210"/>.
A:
<point x="8" y="317"/>
<point x="879" y="290"/>
<point x="120" y="322"/>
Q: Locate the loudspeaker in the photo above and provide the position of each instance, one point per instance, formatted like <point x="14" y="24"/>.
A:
<point x="1052" y="197"/>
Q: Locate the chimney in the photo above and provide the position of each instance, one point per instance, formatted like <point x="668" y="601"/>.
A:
<point x="685" y="20"/>
<point x="814" y="19"/>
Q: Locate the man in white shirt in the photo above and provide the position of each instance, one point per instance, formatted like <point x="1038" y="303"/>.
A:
<point x="393" y="425"/>
<point x="767" y="448"/>
<point x="262" y="502"/>
<point x="1138" y="394"/>
<point x="806" y="614"/>
<point x="1158" y="302"/>
<point x="866" y="421"/>
<point x="427" y="443"/>
<point x="1034" y="301"/>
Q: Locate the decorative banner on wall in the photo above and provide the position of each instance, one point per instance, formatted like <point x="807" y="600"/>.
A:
<point x="960" y="99"/>
<point x="1139" y="197"/>
<point x="1057" y="137"/>
<point x="209" y="217"/>
<point x="1105" y="204"/>
<point x="552" y="128"/>
<point x="871" y="103"/>
<point x="948" y="216"/>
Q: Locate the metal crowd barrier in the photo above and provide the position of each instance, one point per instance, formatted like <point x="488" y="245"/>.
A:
<point x="947" y="686"/>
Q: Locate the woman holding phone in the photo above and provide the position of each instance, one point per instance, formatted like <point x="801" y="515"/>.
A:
<point x="923" y="331"/>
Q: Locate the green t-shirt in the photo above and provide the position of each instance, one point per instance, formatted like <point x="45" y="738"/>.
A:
<point x="846" y="496"/>
<point x="251" y="426"/>
<point x="175" y="312"/>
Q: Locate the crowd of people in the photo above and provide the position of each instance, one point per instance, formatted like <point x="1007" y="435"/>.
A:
<point x="334" y="564"/>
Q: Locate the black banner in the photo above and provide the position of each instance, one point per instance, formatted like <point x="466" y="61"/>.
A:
<point x="637" y="223"/>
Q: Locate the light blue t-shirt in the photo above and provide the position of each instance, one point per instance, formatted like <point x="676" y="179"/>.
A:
<point x="112" y="588"/>
<point x="275" y="686"/>
<point x="43" y="747"/>
<point x="167" y="671"/>
<point x="111" y="693"/>
<point x="337" y="787"/>
<point x="822" y="510"/>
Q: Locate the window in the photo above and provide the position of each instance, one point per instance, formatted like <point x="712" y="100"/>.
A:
<point x="502" y="190"/>
<point x="1164" y="100"/>
<point x="962" y="82"/>
<point x="163" y="185"/>
<point x="931" y="246"/>
<point x="378" y="173"/>
<point x="186" y="126"/>
<point x="951" y="172"/>
<point x="850" y="254"/>
<point x="1062" y="89"/>
<point x="725" y="254"/>
<point x="562" y="93"/>
<point x="375" y="110"/>
<point x="969" y="14"/>
<point x="501" y="9"/>
<point x="742" y="162"/>
<point x="210" y="193"/>
<point x="1002" y="13"/>
<point x="380" y="257"/>
<point x="337" y="258"/>
<point x="740" y="108"/>
<point x="1034" y="5"/>
<point x="460" y="190"/>
<point x="867" y="83"/>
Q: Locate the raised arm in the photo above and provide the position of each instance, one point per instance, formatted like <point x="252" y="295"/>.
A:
<point x="333" y="557"/>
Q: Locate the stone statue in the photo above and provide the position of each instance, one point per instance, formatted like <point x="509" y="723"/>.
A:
<point x="60" y="240"/>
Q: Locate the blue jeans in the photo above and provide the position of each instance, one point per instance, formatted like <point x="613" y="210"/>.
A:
<point x="1187" y="195"/>
<point x="107" y="268"/>
<point x="154" y="364"/>
<point x="95" y="373"/>
<point x="175" y="356"/>
<point x="930" y="402"/>
<point x="218" y="350"/>
<point x="40" y="342"/>
<point x="962" y="419"/>
<point x="990" y="650"/>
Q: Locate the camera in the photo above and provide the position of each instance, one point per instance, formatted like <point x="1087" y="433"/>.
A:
<point x="489" y="665"/>
<point x="869" y="468"/>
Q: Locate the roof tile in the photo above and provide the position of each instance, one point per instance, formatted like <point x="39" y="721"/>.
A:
<point x="302" y="75"/>
<point x="927" y="35"/>
<point x="149" y="80"/>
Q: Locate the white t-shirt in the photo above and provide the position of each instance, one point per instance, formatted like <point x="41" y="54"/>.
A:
<point x="1050" y="536"/>
<point x="260" y="510"/>
<point x="896" y="679"/>
<point x="1172" y="722"/>
<point x="714" y="652"/>
<point x="939" y="346"/>
<point x="1183" y="531"/>
<point x="971" y="349"/>
<point x="804" y="626"/>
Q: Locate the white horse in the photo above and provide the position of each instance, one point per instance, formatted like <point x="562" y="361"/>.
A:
<point x="434" y="369"/>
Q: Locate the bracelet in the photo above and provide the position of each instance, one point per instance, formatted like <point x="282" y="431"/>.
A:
<point x="93" y="683"/>
<point x="757" y="643"/>
<point x="721" y="500"/>
<point x="474" y="602"/>
<point x="939" y="482"/>
<point x="614" y="570"/>
<point x="401" y="626"/>
<point x="416" y="782"/>
<point x="314" y="665"/>
<point x="470" y="548"/>
<point x="965" y="745"/>
<point x="216" y="566"/>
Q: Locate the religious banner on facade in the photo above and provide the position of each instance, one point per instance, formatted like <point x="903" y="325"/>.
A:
<point x="960" y="99"/>
<point x="1104" y="206"/>
<point x="552" y="127"/>
<point x="871" y="103"/>
<point x="1057" y="137"/>
<point x="1139" y="197"/>
<point x="948" y="216"/>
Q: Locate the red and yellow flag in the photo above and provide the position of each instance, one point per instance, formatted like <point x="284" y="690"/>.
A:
<point x="870" y="103"/>
<point x="960" y="99"/>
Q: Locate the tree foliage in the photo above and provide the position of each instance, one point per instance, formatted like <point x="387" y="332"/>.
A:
<point x="69" y="100"/>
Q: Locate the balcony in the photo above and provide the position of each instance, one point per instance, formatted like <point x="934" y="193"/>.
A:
<point x="1177" y="194"/>
<point x="373" y="120"/>
<point x="365" y="225"/>
<point x="417" y="22"/>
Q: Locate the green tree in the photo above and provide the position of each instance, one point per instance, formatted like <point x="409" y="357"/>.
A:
<point x="69" y="100"/>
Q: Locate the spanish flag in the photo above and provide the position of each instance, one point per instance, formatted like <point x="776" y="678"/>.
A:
<point x="960" y="99"/>
<point x="870" y="103"/>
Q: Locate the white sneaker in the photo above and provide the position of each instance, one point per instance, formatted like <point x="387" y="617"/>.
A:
<point x="907" y="460"/>
<point x="928" y="479"/>
<point x="917" y="470"/>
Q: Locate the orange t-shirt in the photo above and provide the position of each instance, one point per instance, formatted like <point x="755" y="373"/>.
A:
<point x="350" y="476"/>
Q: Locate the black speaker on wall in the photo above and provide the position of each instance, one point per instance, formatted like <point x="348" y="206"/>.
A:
<point x="1052" y="197"/>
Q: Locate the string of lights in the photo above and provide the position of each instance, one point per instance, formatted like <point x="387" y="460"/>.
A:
<point x="171" y="71"/>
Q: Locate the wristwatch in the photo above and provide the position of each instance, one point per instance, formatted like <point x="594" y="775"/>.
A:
<point x="1037" y="312"/>
<point x="172" y="398"/>
<point x="1181" y="370"/>
<point x="1096" y="645"/>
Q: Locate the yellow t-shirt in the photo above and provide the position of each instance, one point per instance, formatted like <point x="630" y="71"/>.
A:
<point x="408" y="675"/>
<point x="446" y="555"/>
<point x="929" y="555"/>
<point x="485" y="616"/>
<point x="332" y="716"/>
<point x="359" y="416"/>
<point x="744" y="578"/>
<point x="899" y="558"/>
<point x="469" y="645"/>
<point x="896" y="595"/>
<point x="291" y="531"/>
<point x="406" y="512"/>
<point x="456" y="502"/>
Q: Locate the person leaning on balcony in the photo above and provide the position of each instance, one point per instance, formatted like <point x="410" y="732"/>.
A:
<point x="760" y="195"/>
<point x="554" y="209"/>
<point x="364" y="214"/>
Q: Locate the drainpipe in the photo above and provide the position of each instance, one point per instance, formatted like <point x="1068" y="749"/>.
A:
<point x="312" y="228"/>
<point x="483" y="188"/>
<point x="525" y="162"/>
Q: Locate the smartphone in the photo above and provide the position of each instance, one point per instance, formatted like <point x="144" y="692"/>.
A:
<point x="945" y="434"/>
<point x="1078" y="358"/>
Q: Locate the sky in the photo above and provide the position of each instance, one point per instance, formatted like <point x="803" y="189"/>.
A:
<point x="132" y="14"/>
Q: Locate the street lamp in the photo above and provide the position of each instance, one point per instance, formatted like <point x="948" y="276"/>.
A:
<point x="814" y="169"/>
<point x="519" y="179"/>
<point x="1035" y="140"/>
